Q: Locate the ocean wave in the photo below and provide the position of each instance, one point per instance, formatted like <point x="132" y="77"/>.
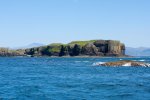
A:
<point x="139" y="60"/>
<point x="85" y="61"/>
<point x="134" y="60"/>
<point x="98" y="63"/>
<point x="77" y="61"/>
<point x="142" y="60"/>
<point x="81" y="61"/>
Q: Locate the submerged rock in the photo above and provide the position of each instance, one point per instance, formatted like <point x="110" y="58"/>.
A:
<point x="123" y="63"/>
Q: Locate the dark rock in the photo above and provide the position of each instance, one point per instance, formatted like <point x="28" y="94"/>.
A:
<point x="102" y="45"/>
<point x="76" y="50"/>
<point x="64" y="51"/>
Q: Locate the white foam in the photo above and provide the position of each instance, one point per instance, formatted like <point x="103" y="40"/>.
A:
<point x="127" y="64"/>
<point x="142" y="60"/>
<point x="134" y="60"/>
<point x="98" y="63"/>
<point x="143" y="65"/>
<point x="81" y="61"/>
<point x="148" y="65"/>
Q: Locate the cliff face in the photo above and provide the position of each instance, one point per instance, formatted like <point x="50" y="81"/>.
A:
<point x="80" y="48"/>
<point x="110" y="47"/>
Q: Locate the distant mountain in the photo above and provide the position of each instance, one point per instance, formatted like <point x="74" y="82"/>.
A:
<point x="141" y="51"/>
<point x="30" y="46"/>
<point x="34" y="45"/>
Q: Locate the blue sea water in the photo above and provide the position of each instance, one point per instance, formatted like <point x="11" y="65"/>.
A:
<point x="72" y="79"/>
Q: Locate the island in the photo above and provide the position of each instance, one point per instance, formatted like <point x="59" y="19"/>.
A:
<point x="80" y="48"/>
<point x="100" y="48"/>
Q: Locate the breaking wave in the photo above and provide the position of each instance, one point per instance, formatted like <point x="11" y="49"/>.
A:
<point x="98" y="63"/>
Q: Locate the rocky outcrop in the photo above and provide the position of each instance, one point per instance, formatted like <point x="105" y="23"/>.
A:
<point x="123" y="63"/>
<point x="80" y="48"/>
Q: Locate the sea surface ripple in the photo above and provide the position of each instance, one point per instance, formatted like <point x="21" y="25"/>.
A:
<point x="72" y="79"/>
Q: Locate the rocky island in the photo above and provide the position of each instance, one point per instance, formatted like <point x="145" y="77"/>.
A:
<point x="80" y="48"/>
<point x="100" y="48"/>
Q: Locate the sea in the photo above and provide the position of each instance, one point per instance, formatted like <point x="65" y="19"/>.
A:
<point x="45" y="78"/>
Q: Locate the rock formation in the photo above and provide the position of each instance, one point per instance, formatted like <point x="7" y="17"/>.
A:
<point x="123" y="63"/>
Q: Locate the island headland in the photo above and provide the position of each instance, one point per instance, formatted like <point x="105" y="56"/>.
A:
<point x="101" y="48"/>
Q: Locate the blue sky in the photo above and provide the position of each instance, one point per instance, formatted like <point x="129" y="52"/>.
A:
<point x="45" y="21"/>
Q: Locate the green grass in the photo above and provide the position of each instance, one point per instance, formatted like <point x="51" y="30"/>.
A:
<point x="55" y="47"/>
<point x="55" y="44"/>
<point x="54" y="50"/>
<point x="81" y="43"/>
